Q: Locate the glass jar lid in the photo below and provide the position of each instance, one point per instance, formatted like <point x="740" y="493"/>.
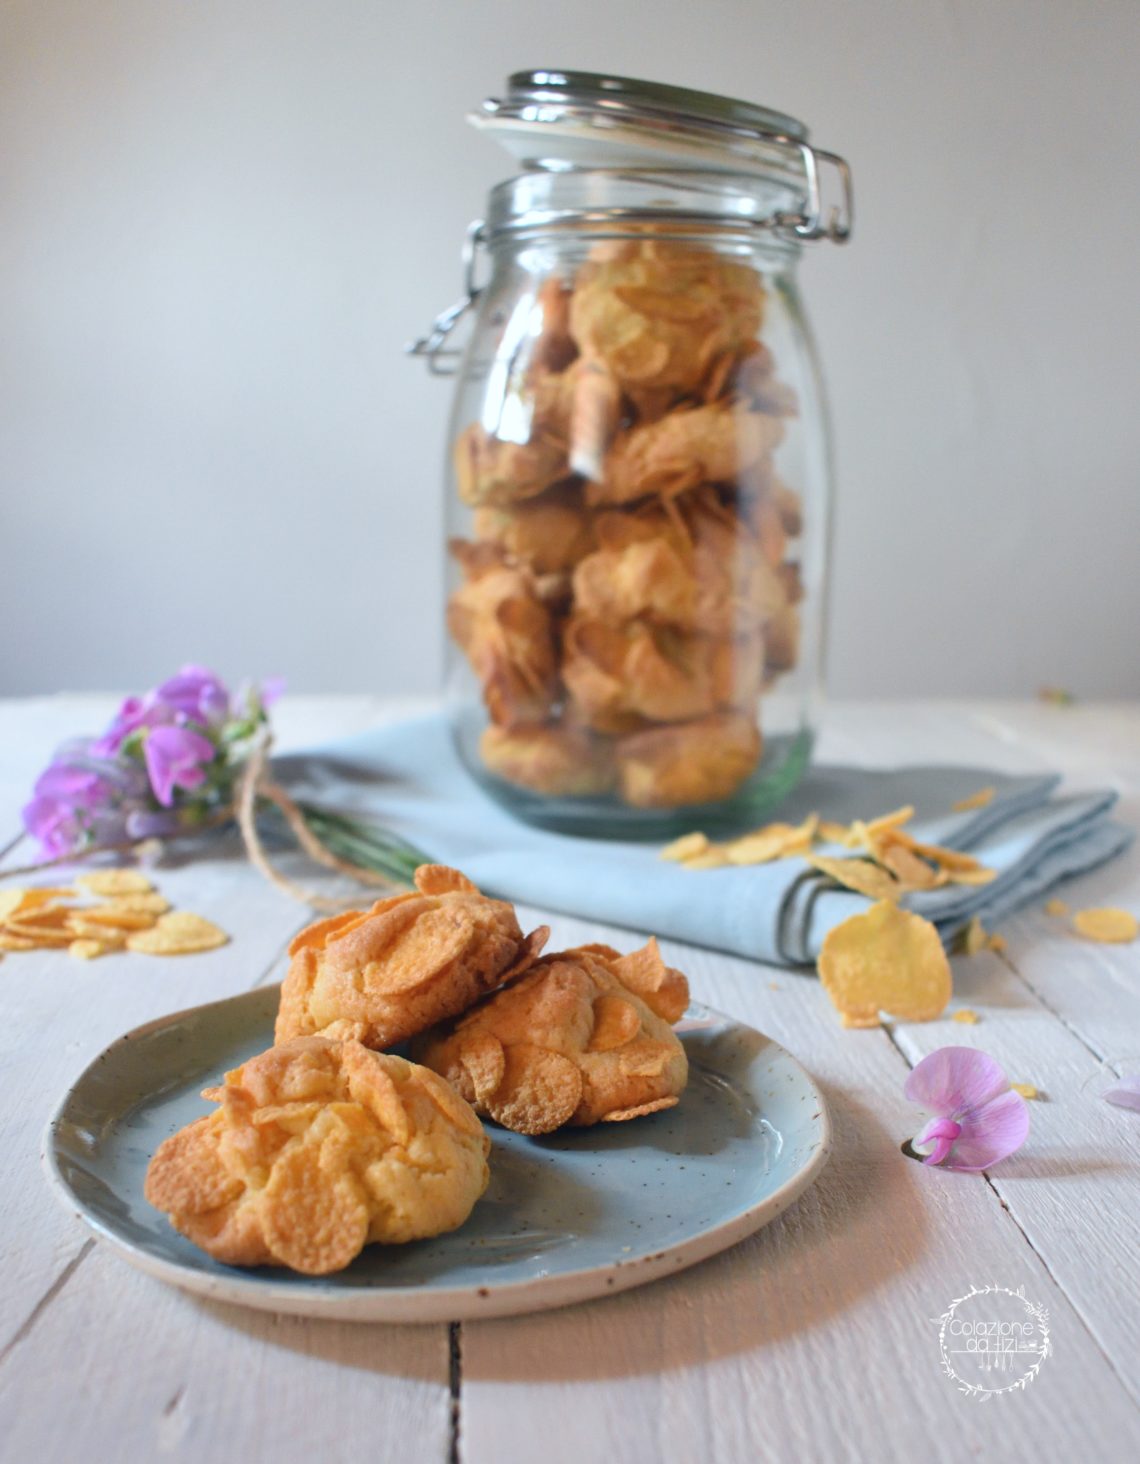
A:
<point x="583" y="118"/>
<point x="562" y="121"/>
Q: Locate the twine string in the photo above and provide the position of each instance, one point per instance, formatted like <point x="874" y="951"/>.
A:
<point x="255" y="783"/>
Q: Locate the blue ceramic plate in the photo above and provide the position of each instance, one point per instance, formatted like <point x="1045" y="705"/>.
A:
<point x="583" y="1213"/>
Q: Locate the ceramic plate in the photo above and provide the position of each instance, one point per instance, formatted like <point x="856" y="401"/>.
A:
<point x="583" y="1213"/>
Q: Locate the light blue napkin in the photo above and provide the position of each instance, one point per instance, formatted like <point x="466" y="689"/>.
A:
<point x="408" y="778"/>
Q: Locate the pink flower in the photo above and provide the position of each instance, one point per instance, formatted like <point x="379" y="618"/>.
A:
<point x="979" y="1119"/>
<point x="176" y="758"/>
<point x="135" y="712"/>
<point x="1126" y="1093"/>
<point x="196" y="694"/>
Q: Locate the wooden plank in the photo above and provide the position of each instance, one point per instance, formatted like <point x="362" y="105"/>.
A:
<point x="814" y="1338"/>
<point x="121" y="1367"/>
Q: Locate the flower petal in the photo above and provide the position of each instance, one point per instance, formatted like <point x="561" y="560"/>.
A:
<point x="954" y="1080"/>
<point x="1125" y="1094"/>
<point x="173" y="756"/>
<point x="991" y="1132"/>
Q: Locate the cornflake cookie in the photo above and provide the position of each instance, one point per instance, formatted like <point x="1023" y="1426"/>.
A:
<point x="583" y="1037"/>
<point x="697" y="762"/>
<point x="381" y="975"/>
<point x="560" y="761"/>
<point x="317" y="1149"/>
<point x="499" y="619"/>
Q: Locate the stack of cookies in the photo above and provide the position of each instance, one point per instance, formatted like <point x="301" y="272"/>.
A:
<point x="328" y="1141"/>
<point x="629" y="592"/>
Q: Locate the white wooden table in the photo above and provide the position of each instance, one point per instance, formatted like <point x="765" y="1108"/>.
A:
<point x="811" y="1341"/>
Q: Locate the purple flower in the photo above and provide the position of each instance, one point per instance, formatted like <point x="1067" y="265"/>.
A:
<point x="74" y="784"/>
<point x="144" y="824"/>
<point x="135" y="712"/>
<point x="195" y="695"/>
<point x="979" y="1119"/>
<point x="176" y="758"/>
<point x="55" y="824"/>
<point x="1126" y="1093"/>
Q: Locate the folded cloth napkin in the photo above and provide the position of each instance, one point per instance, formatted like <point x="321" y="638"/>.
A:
<point x="408" y="778"/>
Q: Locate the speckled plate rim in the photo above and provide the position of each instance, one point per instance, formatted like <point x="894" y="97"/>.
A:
<point x="460" y="1303"/>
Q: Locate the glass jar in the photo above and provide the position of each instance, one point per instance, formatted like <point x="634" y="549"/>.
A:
<point x="639" y="484"/>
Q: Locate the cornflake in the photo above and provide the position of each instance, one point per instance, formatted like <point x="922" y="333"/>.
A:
<point x="980" y="799"/>
<point x="39" y="919"/>
<point x="1107" y="925"/>
<point x="177" y="934"/>
<point x="886" y="960"/>
<point x="115" y="882"/>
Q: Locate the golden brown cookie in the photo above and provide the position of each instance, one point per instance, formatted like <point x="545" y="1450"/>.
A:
<point x="711" y="444"/>
<point x="549" y="534"/>
<point x="383" y="974"/>
<point x="498" y="618"/>
<point x="695" y="762"/>
<point x="558" y="760"/>
<point x="317" y="1149"/>
<point x="659" y="314"/>
<point x="569" y="1042"/>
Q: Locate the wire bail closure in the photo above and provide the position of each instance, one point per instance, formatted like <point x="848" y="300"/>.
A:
<point x="809" y="225"/>
<point x="431" y="346"/>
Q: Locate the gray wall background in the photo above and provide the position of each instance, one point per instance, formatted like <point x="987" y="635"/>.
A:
<point x="221" y="219"/>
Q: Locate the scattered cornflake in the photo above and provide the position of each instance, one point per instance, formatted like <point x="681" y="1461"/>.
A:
<point x="775" y="841"/>
<point x="885" y="960"/>
<point x="118" y="918"/>
<point x="965" y="1014"/>
<point x="1056" y="907"/>
<point x="908" y="868"/>
<point x="10" y="942"/>
<point x="1106" y="925"/>
<point x="980" y="799"/>
<point x="1027" y="1090"/>
<point x="13" y="901"/>
<point x="1056" y="696"/>
<point x="39" y="935"/>
<point x="178" y="934"/>
<point x="38" y="919"/>
<point x="893" y="820"/>
<point x="774" y="986"/>
<point x="996" y="943"/>
<point x="87" y="950"/>
<point x="952" y="860"/>
<point x="970" y="876"/>
<point x="859" y="875"/>
<point x="712" y="858"/>
<point x="115" y="882"/>
<point x="151" y="903"/>
<point x="972" y="939"/>
<point x="685" y="847"/>
<point x="112" y="938"/>
<point x="905" y="863"/>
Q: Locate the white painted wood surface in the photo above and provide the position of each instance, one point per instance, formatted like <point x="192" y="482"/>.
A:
<point x="811" y="1341"/>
